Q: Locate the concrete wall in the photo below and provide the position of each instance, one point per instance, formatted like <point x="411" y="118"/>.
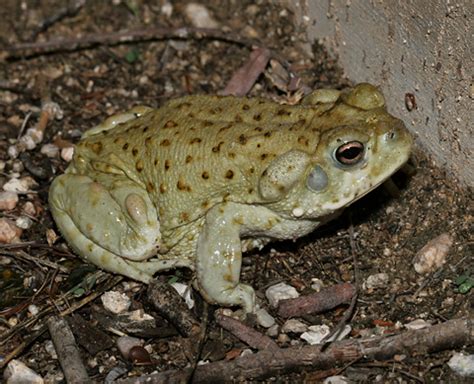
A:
<point x="418" y="47"/>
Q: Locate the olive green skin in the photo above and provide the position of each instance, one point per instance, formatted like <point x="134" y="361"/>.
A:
<point x="204" y="178"/>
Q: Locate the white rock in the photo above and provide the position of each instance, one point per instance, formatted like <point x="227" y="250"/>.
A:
<point x="17" y="166"/>
<point x="316" y="284"/>
<point x="18" y="373"/>
<point x="67" y="154"/>
<point x="184" y="291"/>
<point x="29" y="208"/>
<point x="49" y="347"/>
<point x="23" y="185"/>
<point x="9" y="232"/>
<point x="433" y="254"/>
<point x="417" y="324"/>
<point x="336" y="380"/>
<point x="50" y="150"/>
<point x="115" y="302"/>
<point x="264" y="318"/>
<point x="462" y="364"/>
<point x="316" y="333"/>
<point x="167" y="9"/>
<point x="293" y="325"/>
<point x="139" y="315"/>
<point x="273" y="330"/>
<point x="126" y="343"/>
<point x="246" y="352"/>
<point x="280" y="291"/>
<point x="199" y="16"/>
<point x="8" y="200"/>
<point x="23" y="222"/>
<point x="33" y="309"/>
<point x="378" y="280"/>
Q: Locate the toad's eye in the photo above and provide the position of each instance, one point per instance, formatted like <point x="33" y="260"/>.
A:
<point x="350" y="153"/>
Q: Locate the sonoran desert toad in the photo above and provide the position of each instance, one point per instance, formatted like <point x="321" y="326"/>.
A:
<point x="204" y="178"/>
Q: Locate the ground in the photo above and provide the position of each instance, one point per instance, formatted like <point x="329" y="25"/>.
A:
<point x="386" y="228"/>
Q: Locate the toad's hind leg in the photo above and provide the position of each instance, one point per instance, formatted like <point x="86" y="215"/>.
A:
<point x="114" y="228"/>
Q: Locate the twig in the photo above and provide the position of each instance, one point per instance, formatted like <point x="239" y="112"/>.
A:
<point x="325" y="300"/>
<point x="248" y="335"/>
<point x="124" y="36"/>
<point x="67" y="350"/>
<point x="265" y="363"/>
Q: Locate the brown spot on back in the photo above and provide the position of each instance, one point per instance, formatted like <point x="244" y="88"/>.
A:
<point x="226" y="127"/>
<point x="189" y="158"/>
<point x="162" y="188"/>
<point x="155" y="162"/>
<point x="263" y="156"/>
<point x="258" y="129"/>
<point x="195" y="140"/>
<point x="184" y="216"/>
<point x="148" y="141"/>
<point x="229" y="174"/>
<point x="232" y="155"/>
<point x="145" y="129"/>
<point x="150" y="187"/>
<point x="139" y="166"/>
<point x="170" y="124"/>
<point x="257" y="117"/>
<point x="205" y="204"/>
<point x="251" y="169"/>
<point x="282" y="112"/>
<point x="182" y="186"/>
<point x="245" y="107"/>
<point x="242" y="139"/>
<point x="207" y="123"/>
<point x="238" y="118"/>
<point x="134" y="152"/>
<point x="303" y="140"/>
<point x="165" y="143"/>
<point x="125" y="146"/>
<point x="205" y="175"/>
<point x="267" y="134"/>
<point x="167" y="164"/>
<point x="250" y="190"/>
<point x="217" y="148"/>
<point x="97" y="147"/>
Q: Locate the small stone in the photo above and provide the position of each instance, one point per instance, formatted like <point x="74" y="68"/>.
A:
<point x="29" y="209"/>
<point x="51" y="236"/>
<point x="433" y="255"/>
<point x="67" y="154"/>
<point x="417" y="324"/>
<point x="315" y="334"/>
<point x="9" y="232"/>
<point x="115" y="302"/>
<point x="49" y="347"/>
<point x="283" y="338"/>
<point x="184" y="291"/>
<point x="462" y="364"/>
<point x="23" y="185"/>
<point x="264" y="318"/>
<point x="126" y="343"/>
<point x="378" y="280"/>
<point x="199" y="16"/>
<point x="339" y="379"/>
<point x="17" y="372"/>
<point x="8" y="200"/>
<point x="33" y="309"/>
<point x="167" y="9"/>
<point x="294" y="326"/>
<point x="50" y="150"/>
<point x="17" y="166"/>
<point x="280" y="291"/>
<point x="273" y="330"/>
<point x="316" y="284"/>
<point x="23" y="222"/>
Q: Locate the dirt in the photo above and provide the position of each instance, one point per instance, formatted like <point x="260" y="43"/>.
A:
<point x="383" y="231"/>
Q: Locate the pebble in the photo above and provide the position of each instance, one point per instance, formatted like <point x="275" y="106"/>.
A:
<point x="23" y="222"/>
<point x="8" y="200"/>
<point x="462" y="364"/>
<point x="273" y="330"/>
<point x="377" y="280"/>
<point x="126" y="343"/>
<point x="264" y="318"/>
<point x="417" y="324"/>
<point x="50" y="150"/>
<point x="316" y="333"/>
<point x="33" y="309"/>
<point x="23" y="185"/>
<point x="49" y="348"/>
<point x="9" y="232"/>
<point x="433" y="255"/>
<point x="339" y="379"/>
<point x="199" y="16"/>
<point x="28" y="208"/>
<point x="280" y="291"/>
<point x="184" y="291"/>
<point x="316" y="284"/>
<point x="115" y="302"/>
<point x="17" y="372"/>
<point x="294" y="326"/>
<point x="67" y="154"/>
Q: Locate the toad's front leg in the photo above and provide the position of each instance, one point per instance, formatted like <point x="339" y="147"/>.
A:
<point x="219" y="254"/>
